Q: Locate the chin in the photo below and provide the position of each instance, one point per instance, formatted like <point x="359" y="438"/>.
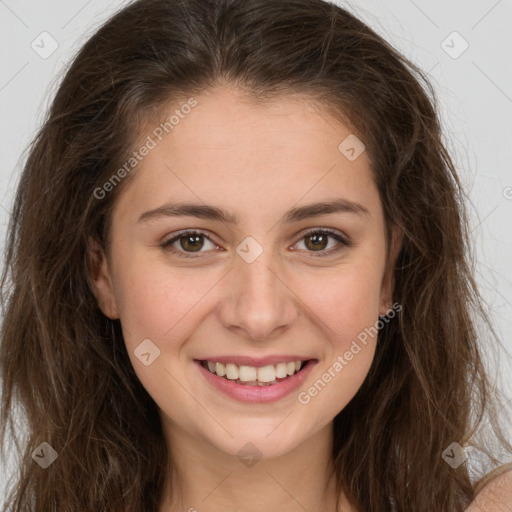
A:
<point x="264" y="440"/>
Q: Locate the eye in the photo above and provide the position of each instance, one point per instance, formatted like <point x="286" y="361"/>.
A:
<point x="189" y="242"/>
<point x="318" y="239"/>
<point x="186" y="243"/>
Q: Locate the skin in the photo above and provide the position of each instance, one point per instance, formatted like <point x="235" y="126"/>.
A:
<point x="496" y="492"/>
<point x="257" y="161"/>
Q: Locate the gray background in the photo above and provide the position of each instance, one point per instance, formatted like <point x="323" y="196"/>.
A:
<point x="474" y="89"/>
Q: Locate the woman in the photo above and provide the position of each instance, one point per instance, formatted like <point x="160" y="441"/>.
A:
<point x="239" y="276"/>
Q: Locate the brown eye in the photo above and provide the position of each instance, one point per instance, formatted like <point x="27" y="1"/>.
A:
<point x="189" y="242"/>
<point x="317" y="242"/>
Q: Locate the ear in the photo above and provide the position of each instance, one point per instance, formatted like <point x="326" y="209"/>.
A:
<point x="101" y="280"/>
<point x="388" y="280"/>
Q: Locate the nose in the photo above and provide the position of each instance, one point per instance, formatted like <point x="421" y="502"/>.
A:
<point x="259" y="303"/>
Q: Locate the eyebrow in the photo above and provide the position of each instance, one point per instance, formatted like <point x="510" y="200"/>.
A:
<point x="215" y="213"/>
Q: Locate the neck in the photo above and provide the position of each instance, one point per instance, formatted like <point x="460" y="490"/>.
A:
<point x="206" y="479"/>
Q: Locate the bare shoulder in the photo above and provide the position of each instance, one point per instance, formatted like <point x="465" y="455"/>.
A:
<point x="494" y="493"/>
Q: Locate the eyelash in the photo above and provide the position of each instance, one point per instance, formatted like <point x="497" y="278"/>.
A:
<point x="167" y="245"/>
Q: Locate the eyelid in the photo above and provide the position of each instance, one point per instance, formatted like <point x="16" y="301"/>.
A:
<point x="329" y="231"/>
<point x="189" y="231"/>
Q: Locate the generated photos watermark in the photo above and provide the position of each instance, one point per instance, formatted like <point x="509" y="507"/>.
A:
<point x="150" y="143"/>
<point x="304" y="397"/>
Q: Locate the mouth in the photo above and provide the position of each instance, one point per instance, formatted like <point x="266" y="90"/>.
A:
<point x="268" y="375"/>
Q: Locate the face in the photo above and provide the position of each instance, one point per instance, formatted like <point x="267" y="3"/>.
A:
<point x="271" y="281"/>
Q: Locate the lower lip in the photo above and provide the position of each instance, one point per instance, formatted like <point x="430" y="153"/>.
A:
<point x="258" y="394"/>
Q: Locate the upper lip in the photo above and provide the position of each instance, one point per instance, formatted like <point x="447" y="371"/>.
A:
<point x="255" y="361"/>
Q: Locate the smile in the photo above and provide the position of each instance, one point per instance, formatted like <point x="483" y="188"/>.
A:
<point x="253" y="375"/>
<point x="256" y="380"/>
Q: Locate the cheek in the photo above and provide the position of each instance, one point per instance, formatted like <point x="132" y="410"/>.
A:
<point x="158" y="302"/>
<point x="346" y="299"/>
<point x="346" y="303"/>
<point x="163" y="305"/>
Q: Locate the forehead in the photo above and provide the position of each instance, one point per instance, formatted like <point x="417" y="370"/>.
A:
<point x="255" y="155"/>
<point x="229" y="120"/>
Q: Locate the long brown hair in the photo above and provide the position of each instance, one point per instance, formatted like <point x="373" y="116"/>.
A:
<point x="65" y="363"/>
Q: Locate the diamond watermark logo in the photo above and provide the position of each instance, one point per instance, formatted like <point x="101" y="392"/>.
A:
<point x="249" y="455"/>
<point x="352" y="147"/>
<point x="146" y="352"/>
<point x="454" y="45"/>
<point x="249" y="250"/>
<point x="454" y="455"/>
<point x="44" y="45"/>
<point x="44" y="455"/>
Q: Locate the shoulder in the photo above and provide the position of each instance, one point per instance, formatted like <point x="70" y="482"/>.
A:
<point x="494" y="492"/>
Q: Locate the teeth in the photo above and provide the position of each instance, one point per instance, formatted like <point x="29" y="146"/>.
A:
<point x="232" y="372"/>
<point x="220" y="369"/>
<point x="252" y="376"/>
<point x="247" y="373"/>
<point x="267" y="373"/>
<point x="281" y="372"/>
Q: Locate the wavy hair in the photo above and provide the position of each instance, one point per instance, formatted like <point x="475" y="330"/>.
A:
<point x="65" y="363"/>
